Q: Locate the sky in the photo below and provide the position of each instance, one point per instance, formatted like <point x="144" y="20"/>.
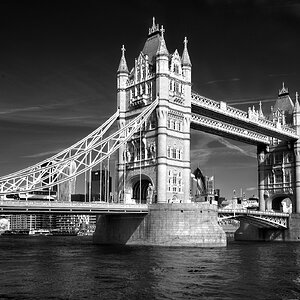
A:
<point x="58" y="63"/>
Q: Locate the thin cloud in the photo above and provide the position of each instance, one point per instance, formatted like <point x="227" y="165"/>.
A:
<point x="42" y="154"/>
<point x="200" y="156"/>
<point x="249" y="101"/>
<point x="252" y="188"/>
<point x="21" y="109"/>
<point x="231" y="146"/>
<point x="222" y="80"/>
<point x="41" y="107"/>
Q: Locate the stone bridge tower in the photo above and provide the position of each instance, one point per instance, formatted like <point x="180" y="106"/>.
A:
<point x="158" y="155"/>
<point x="279" y="163"/>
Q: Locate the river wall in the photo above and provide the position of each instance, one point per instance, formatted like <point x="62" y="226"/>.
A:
<point x="167" y="224"/>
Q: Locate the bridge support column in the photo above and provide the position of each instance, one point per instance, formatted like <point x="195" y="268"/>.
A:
<point x="161" y="155"/>
<point x="297" y="176"/>
<point x="261" y="177"/>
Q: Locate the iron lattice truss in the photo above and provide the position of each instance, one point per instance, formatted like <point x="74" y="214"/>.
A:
<point x="77" y="159"/>
<point x="257" y="218"/>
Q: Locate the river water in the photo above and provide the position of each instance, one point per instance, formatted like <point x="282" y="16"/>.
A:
<point x="73" y="268"/>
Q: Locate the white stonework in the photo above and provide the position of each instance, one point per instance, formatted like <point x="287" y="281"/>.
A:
<point x="162" y="145"/>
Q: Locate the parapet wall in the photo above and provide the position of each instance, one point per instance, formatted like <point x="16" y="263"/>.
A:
<point x="184" y="224"/>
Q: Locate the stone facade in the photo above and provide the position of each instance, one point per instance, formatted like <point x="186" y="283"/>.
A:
<point x="277" y="163"/>
<point x="159" y="154"/>
<point x="176" y="224"/>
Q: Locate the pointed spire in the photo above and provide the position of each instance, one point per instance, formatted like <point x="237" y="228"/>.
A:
<point x="162" y="48"/>
<point x="297" y="105"/>
<point x="260" y="112"/>
<point x="185" y="55"/>
<point x="154" y="28"/>
<point x="123" y="65"/>
<point x="284" y="91"/>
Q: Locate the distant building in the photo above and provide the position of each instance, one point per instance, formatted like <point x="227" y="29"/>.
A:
<point x="76" y="223"/>
<point x="203" y="187"/>
<point x="4" y="223"/>
<point x="101" y="183"/>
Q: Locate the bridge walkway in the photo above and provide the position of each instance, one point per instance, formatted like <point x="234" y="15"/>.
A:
<point x="54" y="207"/>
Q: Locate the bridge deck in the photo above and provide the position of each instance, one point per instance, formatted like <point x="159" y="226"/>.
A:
<point x="49" y="207"/>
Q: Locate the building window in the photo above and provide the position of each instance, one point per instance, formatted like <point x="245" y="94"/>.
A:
<point x="287" y="177"/>
<point x="179" y="126"/>
<point x="170" y="181"/>
<point x="177" y="153"/>
<point x="169" y="151"/>
<point x="173" y="151"/>
<point x="175" y="181"/>
<point x="271" y="178"/>
<point x="176" y="69"/>
<point x="169" y="123"/>
<point x="174" y="124"/>
<point x="138" y="154"/>
<point x="288" y="158"/>
<point x="278" y="177"/>
<point x="278" y="158"/>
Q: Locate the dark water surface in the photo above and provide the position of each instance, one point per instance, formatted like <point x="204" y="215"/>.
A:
<point x="73" y="268"/>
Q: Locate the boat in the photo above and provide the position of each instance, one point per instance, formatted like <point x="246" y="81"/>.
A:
<point x="40" y="232"/>
<point x="63" y="233"/>
<point x="15" y="232"/>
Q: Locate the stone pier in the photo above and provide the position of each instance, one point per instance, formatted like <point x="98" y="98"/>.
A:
<point x="180" y="224"/>
<point x="248" y="232"/>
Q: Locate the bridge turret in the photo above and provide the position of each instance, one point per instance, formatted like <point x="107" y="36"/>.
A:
<point x="186" y="62"/>
<point x="162" y="67"/>
<point x="162" y="90"/>
<point x="296" y="123"/>
<point x="122" y="78"/>
<point x="296" y="114"/>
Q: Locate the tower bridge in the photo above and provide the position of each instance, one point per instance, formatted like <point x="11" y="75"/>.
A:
<point x="156" y="110"/>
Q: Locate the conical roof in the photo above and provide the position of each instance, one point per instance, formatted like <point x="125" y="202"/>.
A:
<point x="284" y="101"/>
<point x="154" y="43"/>
<point x="185" y="59"/>
<point x="162" y="48"/>
<point x="123" y="65"/>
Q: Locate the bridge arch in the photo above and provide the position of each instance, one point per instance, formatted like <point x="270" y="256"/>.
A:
<point x="280" y="203"/>
<point x="137" y="187"/>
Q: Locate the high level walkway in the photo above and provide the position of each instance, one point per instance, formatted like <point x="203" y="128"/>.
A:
<point x="219" y="118"/>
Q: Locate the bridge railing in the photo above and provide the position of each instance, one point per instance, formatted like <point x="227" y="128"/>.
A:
<point x="252" y="212"/>
<point x="71" y="204"/>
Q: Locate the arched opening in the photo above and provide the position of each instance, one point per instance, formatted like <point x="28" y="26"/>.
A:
<point x="139" y="190"/>
<point x="139" y="187"/>
<point x="281" y="203"/>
